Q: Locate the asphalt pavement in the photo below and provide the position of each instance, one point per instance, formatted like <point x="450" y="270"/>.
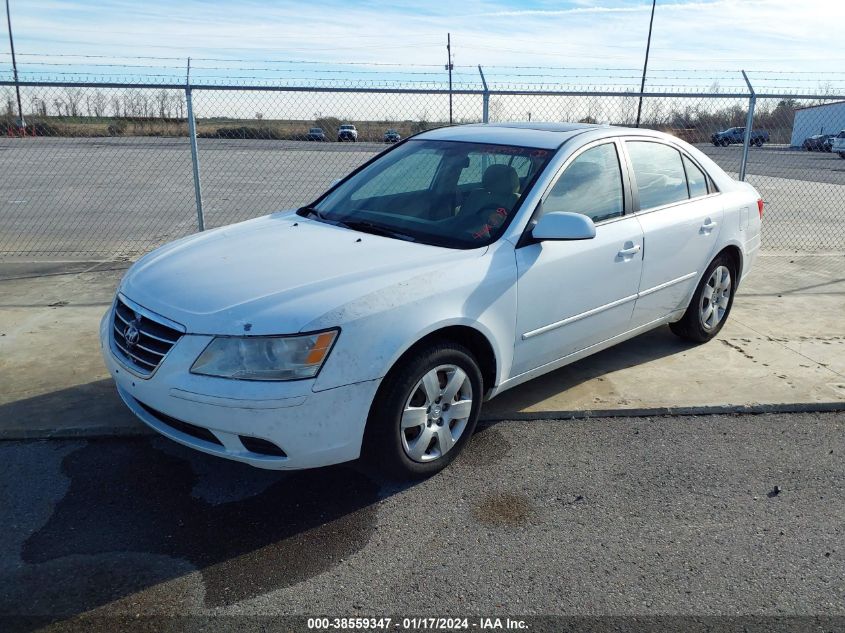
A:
<point x="704" y="517"/>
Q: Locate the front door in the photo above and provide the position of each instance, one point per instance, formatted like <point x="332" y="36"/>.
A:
<point x="573" y="294"/>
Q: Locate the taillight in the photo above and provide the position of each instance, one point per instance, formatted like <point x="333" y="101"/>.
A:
<point x="760" y="207"/>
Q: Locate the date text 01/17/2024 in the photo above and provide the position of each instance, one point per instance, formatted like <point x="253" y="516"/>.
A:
<point x="415" y="624"/>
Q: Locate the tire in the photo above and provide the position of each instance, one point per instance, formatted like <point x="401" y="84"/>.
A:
<point x="759" y="142"/>
<point x="841" y="154"/>
<point x="698" y="324"/>
<point x="725" y="142"/>
<point x="715" y="143"/>
<point x="417" y="450"/>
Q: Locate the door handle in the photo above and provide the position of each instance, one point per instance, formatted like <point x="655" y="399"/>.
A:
<point x="628" y="252"/>
<point x="709" y="225"/>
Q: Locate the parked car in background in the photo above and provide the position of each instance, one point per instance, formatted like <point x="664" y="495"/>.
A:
<point x="735" y="135"/>
<point x="392" y="136"/>
<point x="839" y="144"/>
<point x="818" y="143"/>
<point x="347" y="132"/>
<point x="375" y="321"/>
<point x="317" y="134"/>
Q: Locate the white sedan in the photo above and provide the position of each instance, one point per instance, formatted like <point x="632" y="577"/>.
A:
<point x="459" y="263"/>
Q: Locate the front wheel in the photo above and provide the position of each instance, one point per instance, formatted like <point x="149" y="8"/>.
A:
<point x="710" y="305"/>
<point x="759" y="142"/>
<point x="841" y="154"/>
<point x="424" y="412"/>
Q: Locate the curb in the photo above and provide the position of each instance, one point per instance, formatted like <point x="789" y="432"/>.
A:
<point x="643" y="412"/>
<point x="140" y="430"/>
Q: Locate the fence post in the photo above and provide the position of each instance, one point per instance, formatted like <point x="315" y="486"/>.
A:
<point x="192" y="133"/>
<point x="485" y="98"/>
<point x="749" y="121"/>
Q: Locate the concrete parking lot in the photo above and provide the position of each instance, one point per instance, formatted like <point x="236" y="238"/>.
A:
<point x="107" y="197"/>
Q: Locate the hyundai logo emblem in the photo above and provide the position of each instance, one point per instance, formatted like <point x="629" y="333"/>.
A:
<point x="131" y="334"/>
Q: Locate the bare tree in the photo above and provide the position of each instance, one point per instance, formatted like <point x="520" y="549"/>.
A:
<point x="115" y="105"/>
<point x="97" y="105"/>
<point x="494" y="110"/>
<point x="73" y="98"/>
<point x="39" y="105"/>
<point x="10" y="103"/>
<point x="178" y="104"/>
<point x="162" y="100"/>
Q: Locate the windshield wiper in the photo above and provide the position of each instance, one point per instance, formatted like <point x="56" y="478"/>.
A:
<point x="310" y="211"/>
<point x="376" y="229"/>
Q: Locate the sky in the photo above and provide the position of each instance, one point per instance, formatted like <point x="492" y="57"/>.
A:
<point x="580" y="42"/>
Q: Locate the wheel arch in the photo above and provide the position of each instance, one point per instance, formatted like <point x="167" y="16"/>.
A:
<point x="735" y="253"/>
<point x="472" y="338"/>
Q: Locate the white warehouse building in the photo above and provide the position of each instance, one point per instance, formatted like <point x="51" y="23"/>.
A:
<point x="828" y="118"/>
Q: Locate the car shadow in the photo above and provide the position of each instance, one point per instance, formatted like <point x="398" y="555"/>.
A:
<point x="647" y="347"/>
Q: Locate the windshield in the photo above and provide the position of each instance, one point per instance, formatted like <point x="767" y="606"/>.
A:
<point x="347" y="127"/>
<point x="446" y="193"/>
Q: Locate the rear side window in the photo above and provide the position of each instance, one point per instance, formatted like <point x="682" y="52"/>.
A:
<point x="696" y="179"/>
<point x="659" y="173"/>
<point x="591" y="185"/>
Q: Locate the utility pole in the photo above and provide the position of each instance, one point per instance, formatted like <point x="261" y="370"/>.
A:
<point x="21" y="121"/>
<point x="645" y="66"/>
<point x="449" y="67"/>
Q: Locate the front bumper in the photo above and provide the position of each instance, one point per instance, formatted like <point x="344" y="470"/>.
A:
<point x="220" y="416"/>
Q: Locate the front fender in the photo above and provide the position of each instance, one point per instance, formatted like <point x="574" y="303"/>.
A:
<point x="378" y="328"/>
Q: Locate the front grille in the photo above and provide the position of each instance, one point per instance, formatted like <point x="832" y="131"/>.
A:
<point x="141" y="338"/>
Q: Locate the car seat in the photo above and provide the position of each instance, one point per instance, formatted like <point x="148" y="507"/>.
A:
<point x="499" y="188"/>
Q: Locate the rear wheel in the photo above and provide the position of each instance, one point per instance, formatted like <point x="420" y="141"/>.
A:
<point x="759" y="142"/>
<point x="424" y="412"/>
<point x="710" y="305"/>
<point x="841" y="154"/>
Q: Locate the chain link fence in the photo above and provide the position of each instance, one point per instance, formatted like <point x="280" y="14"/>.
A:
<point x="105" y="170"/>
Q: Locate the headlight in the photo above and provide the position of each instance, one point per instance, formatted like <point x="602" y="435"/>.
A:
<point x="266" y="357"/>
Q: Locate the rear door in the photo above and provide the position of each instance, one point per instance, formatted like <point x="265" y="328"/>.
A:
<point x="681" y="215"/>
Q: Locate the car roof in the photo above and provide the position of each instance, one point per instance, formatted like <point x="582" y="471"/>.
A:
<point x="534" y="134"/>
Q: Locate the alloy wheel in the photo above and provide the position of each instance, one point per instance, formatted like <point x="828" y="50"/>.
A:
<point x="715" y="298"/>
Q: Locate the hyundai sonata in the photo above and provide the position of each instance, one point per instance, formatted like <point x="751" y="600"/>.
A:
<point x="461" y="262"/>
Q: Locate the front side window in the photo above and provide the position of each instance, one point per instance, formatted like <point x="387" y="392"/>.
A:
<point x="447" y="193"/>
<point x="659" y="173"/>
<point x="591" y="185"/>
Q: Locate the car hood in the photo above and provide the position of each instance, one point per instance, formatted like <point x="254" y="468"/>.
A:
<point x="275" y="274"/>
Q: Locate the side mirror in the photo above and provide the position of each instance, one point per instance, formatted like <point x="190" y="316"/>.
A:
<point x="561" y="225"/>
